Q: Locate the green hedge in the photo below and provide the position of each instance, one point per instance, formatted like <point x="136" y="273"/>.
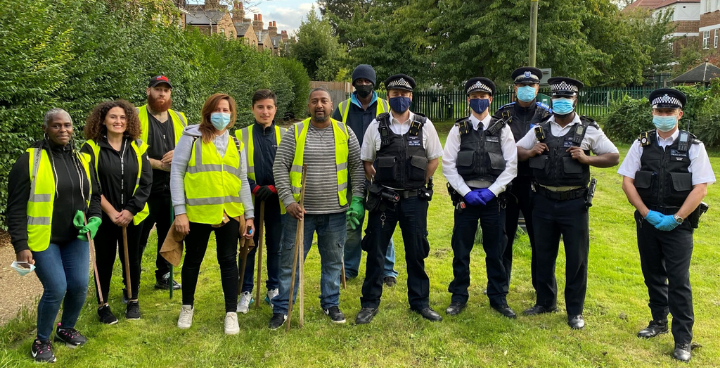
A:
<point x="74" y="54"/>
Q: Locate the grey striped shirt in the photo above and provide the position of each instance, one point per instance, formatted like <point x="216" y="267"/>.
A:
<point x="321" y="186"/>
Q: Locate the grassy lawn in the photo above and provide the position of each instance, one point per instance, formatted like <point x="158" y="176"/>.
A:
<point x="615" y="309"/>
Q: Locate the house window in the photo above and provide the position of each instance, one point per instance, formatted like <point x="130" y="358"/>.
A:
<point x="707" y="6"/>
<point x="716" y="38"/>
<point x="222" y="31"/>
<point x="706" y="39"/>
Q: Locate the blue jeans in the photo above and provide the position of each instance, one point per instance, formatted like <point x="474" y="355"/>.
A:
<point x="273" y="223"/>
<point x="353" y="254"/>
<point x="331" y="234"/>
<point x="63" y="271"/>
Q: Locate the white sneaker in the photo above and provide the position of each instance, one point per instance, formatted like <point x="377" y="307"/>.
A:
<point x="244" y="304"/>
<point x="231" y="324"/>
<point x="270" y="295"/>
<point x="186" y="315"/>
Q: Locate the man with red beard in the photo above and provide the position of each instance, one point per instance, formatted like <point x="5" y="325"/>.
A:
<point x="161" y="129"/>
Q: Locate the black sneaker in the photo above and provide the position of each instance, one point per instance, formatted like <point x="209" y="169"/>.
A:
<point x="277" y="320"/>
<point x="163" y="283"/>
<point x="42" y="351"/>
<point x="335" y="314"/>
<point x="70" y="336"/>
<point x="390" y="281"/>
<point x="133" y="311"/>
<point x="106" y="316"/>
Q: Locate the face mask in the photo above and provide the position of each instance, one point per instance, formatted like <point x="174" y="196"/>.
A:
<point x="399" y="104"/>
<point x="526" y="93"/>
<point x="479" y="105"/>
<point x="20" y="269"/>
<point x="364" y="90"/>
<point x="562" y="106"/>
<point x="665" y="123"/>
<point x="220" y="120"/>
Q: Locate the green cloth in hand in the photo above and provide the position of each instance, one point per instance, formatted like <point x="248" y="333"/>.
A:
<point x="356" y="213"/>
<point x="92" y="227"/>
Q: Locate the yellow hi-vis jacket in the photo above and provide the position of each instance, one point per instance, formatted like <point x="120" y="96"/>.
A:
<point x="341" y="158"/>
<point x="212" y="183"/>
<point x="179" y="123"/>
<point x="245" y="135"/>
<point x="344" y="108"/>
<point x="42" y="197"/>
<point x="139" y="146"/>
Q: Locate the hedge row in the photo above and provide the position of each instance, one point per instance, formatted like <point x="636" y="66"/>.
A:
<point x="74" y="54"/>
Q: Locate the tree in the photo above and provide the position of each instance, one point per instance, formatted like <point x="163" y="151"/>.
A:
<point x="317" y="48"/>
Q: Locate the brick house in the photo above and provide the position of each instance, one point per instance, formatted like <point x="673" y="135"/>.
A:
<point x="710" y="28"/>
<point x="686" y="17"/>
<point x="211" y="22"/>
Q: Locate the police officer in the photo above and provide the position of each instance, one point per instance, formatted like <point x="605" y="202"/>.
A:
<point x="479" y="161"/>
<point x="522" y="115"/>
<point x="358" y="112"/>
<point x="559" y="154"/>
<point x="400" y="151"/>
<point x="665" y="176"/>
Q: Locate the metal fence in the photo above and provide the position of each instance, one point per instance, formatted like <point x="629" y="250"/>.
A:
<point x="441" y="105"/>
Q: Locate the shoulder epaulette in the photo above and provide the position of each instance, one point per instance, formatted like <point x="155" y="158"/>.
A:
<point x="506" y="105"/>
<point x="586" y="121"/>
<point x="418" y="121"/>
<point x="646" y="138"/>
<point x="543" y="105"/>
<point x="464" y="125"/>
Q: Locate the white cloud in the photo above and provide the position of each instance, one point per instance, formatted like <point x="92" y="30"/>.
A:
<point x="287" y="14"/>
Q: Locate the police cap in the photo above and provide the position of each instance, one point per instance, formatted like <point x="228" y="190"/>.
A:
<point x="667" y="98"/>
<point x="400" y="81"/>
<point x="526" y="75"/>
<point x="479" y="84"/>
<point x="564" y="86"/>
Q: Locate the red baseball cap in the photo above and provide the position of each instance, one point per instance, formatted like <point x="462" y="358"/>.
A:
<point x="154" y="81"/>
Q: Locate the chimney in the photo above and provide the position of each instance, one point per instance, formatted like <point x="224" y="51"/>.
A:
<point x="258" y="23"/>
<point x="272" y="29"/>
<point x="238" y="12"/>
<point x="284" y="35"/>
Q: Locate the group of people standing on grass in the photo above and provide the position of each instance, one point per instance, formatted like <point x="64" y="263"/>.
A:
<point x="148" y="167"/>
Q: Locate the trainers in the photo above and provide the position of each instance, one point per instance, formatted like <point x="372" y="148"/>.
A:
<point x="163" y="283"/>
<point x="270" y="295"/>
<point x="186" y="315"/>
<point x="335" y="314"/>
<point x="70" y="336"/>
<point x="231" y="324"/>
<point x="106" y="316"/>
<point x="277" y="320"/>
<point x="390" y="281"/>
<point x="42" y="351"/>
<point x="133" y="311"/>
<point x="245" y="300"/>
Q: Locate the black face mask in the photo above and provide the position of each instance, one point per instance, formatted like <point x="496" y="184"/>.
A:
<point x="364" y="90"/>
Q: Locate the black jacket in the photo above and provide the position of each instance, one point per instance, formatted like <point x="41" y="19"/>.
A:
<point x="265" y="147"/>
<point x="358" y="119"/>
<point x="68" y="199"/>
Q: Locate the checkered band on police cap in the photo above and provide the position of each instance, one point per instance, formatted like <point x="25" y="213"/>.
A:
<point x="399" y="83"/>
<point x="667" y="101"/>
<point x="563" y="87"/>
<point x="479" y="87"/>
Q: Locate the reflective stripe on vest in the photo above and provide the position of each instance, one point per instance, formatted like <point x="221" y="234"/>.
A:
<point x="42" y="197"/>
<point x="341" y="158"/>
<point x="178" y="119"/>
<point x="212" y="183"/>
<point x="140" y="147"/>
<point x="245" y="135"/>
<point x="382" y="106"/>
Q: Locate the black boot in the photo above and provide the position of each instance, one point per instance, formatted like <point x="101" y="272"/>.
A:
<point x="654" y="328"/>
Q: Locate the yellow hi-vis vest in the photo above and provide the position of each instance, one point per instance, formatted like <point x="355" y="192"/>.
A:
<point x="245" y="135"/>
<point x="179" y="123"/>
<point x="341" y="158"/>
<point x="139" y="146"/>
<point x="344" y="108"/>
<point x="42" y="197"/>
<point x="212" y="183"/>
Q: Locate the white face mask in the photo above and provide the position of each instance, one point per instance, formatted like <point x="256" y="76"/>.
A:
<point x="21" y="269"/>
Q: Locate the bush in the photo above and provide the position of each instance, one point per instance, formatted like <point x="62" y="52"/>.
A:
<point x="627" y="119"/>
<point x="74" y="54"/>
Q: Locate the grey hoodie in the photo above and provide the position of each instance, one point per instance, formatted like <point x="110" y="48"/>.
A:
<point x="181" y="157"/>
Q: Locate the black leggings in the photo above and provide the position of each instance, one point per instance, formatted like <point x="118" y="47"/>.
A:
<point x="226" y="238"/>
<point x="109" y="242"/>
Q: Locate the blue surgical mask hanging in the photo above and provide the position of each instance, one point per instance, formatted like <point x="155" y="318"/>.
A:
<point x="220" y="120"/>
<point x="526" y="93"/>
<point x="20" y="269"/>
<point x="479" y="105"/>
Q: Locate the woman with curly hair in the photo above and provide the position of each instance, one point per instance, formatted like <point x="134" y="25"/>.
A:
<point x="125" y="176"/>
<point x="210" y="193"/>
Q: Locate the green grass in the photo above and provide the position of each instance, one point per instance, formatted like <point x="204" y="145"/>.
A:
<point x="615" y="309"/>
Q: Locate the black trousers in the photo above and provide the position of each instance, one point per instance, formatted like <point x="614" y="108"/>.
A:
<point x="226" y="238"/>
<point x="519" y="199"/>
<point x="492" y="221"/>
<point x="109" y="242"/>
<point x="160" y="207"/>
<point x="570" y="219"/>
<point x="665" y="259"/>
<point x="273" y="236"/>
<point x="411" y="214"/>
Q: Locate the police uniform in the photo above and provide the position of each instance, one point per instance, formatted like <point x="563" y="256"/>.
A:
<point x="560" y="183"/>
<point x="400" y="152"/>
<point x="664" y="172"/>
<point x="521" y="119"/>
<point x="479" y="154"/>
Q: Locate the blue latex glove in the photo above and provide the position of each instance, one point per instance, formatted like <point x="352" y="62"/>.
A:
<point x="473" y="198"/>
<point x="486" y="195"/>
<point x="654" y="217"/>
<point x="667" y="223"/>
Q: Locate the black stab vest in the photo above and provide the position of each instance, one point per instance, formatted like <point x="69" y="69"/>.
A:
<point x="480" y="156"/>
<point x="556" y="167"/>
<point x="401" y="162"/>
<point x="520" y="127"/>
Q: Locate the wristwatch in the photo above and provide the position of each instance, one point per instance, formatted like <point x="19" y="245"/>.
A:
<point x="678" y="219"/>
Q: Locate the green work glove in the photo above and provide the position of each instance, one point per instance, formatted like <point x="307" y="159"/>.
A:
<point x="91" y="227"/>
<point x="79" y="220"/>
<point x="356" y="213"/>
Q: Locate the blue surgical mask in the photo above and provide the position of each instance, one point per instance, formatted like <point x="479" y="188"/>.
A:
<point x="20" y="269"/>
<point x="479" y="105"/>
<point x="562" y="106"/>
<point x="399" y="104"/>
<point x="526" y="93"/>
<point x="665" y="123"/>
<point x="220" y="120"/>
